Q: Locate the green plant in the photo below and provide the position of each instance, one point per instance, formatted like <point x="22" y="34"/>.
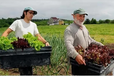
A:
<point x="102" y="40"/>
<point x="33" y="41"/>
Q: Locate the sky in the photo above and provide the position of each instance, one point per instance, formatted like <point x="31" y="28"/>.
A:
<point x="98" y="9"/>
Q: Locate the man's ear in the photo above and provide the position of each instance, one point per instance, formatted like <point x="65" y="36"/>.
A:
<point x="72" y="14"/>
<point x="25" y="13"/>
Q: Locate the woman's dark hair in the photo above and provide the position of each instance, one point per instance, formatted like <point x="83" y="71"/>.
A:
<point x="23" y="16"/>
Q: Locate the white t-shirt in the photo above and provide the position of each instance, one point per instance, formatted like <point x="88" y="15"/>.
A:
<point x="21" y="27"/>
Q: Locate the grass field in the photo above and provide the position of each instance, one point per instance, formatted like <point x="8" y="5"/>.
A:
<point x="99" y="32"/>
<point x="102" y="31"/>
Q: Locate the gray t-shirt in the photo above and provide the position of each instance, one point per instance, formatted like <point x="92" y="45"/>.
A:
<point x="21" y="27"/>
<point x="74" y="36"/>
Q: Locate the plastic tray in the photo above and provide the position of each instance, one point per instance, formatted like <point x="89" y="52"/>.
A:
<point x="95" y="69"/>
<point x="27" y="57"/>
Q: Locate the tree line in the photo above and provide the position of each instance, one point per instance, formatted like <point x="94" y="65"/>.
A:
<point x="42" y="22"/>
<point x="94" y="21"/>
<point x="9" y="21"/>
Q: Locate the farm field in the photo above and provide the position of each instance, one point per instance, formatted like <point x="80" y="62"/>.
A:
<point x="54" y="35"/>
<point x="97" y="31"/>
<point x="100" y="32"/>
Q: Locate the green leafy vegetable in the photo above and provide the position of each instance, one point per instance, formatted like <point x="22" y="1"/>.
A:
<point x="5" y="43"/>
<point x="33" y="41"/>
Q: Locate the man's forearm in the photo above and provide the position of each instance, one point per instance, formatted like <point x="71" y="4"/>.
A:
<point x="41" y="38"/>
<point x="5" y="34"/>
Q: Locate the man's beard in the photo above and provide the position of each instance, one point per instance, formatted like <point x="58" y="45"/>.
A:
<point x="78" y="22"/>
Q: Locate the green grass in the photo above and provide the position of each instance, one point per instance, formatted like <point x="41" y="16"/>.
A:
<point x="97" y="31"/>
<point x="56" y="29"/>
<point x="102" y="31"/>
<point x="2" y="30"/>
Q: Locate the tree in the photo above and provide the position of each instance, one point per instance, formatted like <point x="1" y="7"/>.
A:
<point x="112" y="21"/>
<point x="107" y="21"/>
<point x="101" y="21"/>
<point x="87" y="21"/>
<point x="93" y="21"/>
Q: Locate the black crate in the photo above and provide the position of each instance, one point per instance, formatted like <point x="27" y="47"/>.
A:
<point x="95" y="69"/>
<point x="26" y="58"/>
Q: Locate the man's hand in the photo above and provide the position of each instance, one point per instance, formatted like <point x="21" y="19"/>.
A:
<point x="47" y="44"/>
<point x="80" y="59"/>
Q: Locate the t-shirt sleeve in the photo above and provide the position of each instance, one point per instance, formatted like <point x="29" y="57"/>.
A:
<point x="13" y="25"/>
<point x="36" y="30"/>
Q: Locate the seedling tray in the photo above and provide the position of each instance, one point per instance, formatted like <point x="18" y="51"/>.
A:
<point x="15" y="58"/>
<point x="95" y="69"/>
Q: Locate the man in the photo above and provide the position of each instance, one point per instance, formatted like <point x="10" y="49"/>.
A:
<point x="23" y="26"/>
<point x="77" y="34"/>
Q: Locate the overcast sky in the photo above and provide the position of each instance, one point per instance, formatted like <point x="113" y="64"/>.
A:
<point x="98" y="9"/>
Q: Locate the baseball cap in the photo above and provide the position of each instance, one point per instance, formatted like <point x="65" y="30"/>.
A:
<point x="29" y="8"/>
<point x="80" y="11"/>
